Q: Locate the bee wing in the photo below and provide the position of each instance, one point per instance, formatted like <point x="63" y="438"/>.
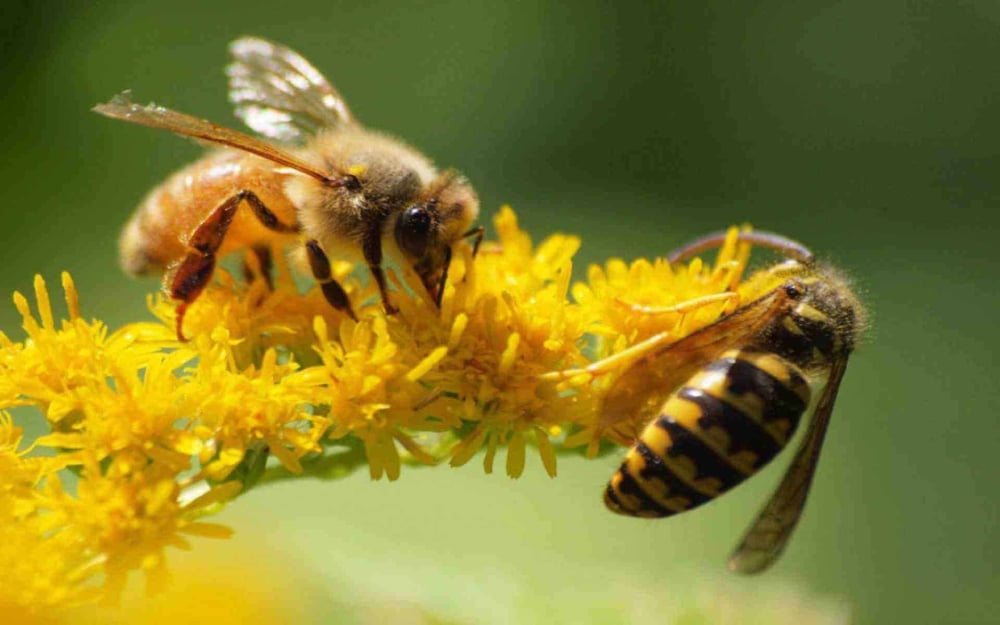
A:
<point x="640" y="391"/>
<point x="121" y="107"/>
<point x="280" y="94"/>
<point x="767" y="537"/>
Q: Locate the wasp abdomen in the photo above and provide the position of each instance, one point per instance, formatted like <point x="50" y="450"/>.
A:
<point x="729" y="420"/>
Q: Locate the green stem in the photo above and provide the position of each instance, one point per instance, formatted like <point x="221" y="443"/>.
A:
<point x="342" y="457"/>
<point x="328" y="466"/>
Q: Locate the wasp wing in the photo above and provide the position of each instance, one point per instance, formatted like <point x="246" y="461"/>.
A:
<point x="638" y="394"/>
<point x="280" y="94"/>
<point x="767" y="537"/>
<point x="121" y="107"/>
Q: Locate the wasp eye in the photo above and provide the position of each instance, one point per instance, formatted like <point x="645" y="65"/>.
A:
<point x="413" y="229"/>
<point x="795" y="290"/>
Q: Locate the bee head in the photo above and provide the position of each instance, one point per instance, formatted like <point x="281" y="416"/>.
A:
<point x="415" y="229"/>
<point x="426" y="229"/>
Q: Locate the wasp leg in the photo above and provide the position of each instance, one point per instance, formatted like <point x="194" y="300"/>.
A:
<point x="332" y="291"/>
<point x="683" y="307"/>
<point x="196" y="269"/>
<point x="371" y="247"/>
<point x="641" y="349"/>
<point x="610" y="363"/>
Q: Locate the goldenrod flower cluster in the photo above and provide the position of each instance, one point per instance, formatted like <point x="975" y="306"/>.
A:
<point x="148" y="434"/>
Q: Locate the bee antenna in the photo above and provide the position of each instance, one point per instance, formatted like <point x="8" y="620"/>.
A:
<point x="779" y="243"/>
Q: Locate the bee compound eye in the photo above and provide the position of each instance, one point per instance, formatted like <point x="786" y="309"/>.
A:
<point x="413" y="230"/>
<point x="351" y="182"/>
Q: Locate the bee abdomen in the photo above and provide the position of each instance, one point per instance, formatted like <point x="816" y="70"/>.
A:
<point x="136" y="255"/>
<point x="727" y="422"/>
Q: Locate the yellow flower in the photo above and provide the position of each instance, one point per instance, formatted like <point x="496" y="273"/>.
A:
<point x="160" y="432"/>
<point x="371" y="389"/>
<point x="507" y="322"/>
<point x="635" y="308"/>
<point x="235" y="408"/>
<point x="46" y="370"/>
<point x="133" y="409"/>
<point x="255" y="317"/>
<point x="117" y="412"/>
<point x="127" y="512"/>
<point x="19" y="472"/>
<point x="39" y="567"/>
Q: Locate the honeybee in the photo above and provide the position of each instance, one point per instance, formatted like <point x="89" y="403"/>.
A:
<point x="323" y="180"/>
<point x="735" y="392"/>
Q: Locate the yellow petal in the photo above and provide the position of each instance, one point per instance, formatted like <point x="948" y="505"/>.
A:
<point x="546" y="451"/>
<point x="221" y="493"/>
<point x="515" y="455"/>
<point x="72" y="297"/>
<point x="468" y="446"/>
<point x="44" y="305"/>
<point x="61" y="439"/>
<point x="509" y="355"/>
<point x="286" y="457"/>
<point x="207" y="530"/>
<point x="428" y="363"/>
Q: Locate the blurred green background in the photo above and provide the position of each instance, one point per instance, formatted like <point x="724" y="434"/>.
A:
<point x="871" y="131"/>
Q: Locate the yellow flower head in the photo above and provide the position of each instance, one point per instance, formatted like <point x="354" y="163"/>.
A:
<point x="256" y="317"/>
<point x="507" y="322"/>
<point x="635" y="308"/>
<point x="236" y="408"/>
<point x="49" y="367"/>
<point x="161" y="432"/>
<point x="371" y="389"/>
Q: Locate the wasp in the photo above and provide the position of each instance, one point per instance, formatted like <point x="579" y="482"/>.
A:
<point x="735" y="393"/>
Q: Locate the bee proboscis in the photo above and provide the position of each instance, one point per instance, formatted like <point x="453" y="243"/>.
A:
<point x="321" y="178"/>
<point x="736" y="393"/>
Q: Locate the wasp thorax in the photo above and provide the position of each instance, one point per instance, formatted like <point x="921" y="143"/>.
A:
<point x="821" y="327"/>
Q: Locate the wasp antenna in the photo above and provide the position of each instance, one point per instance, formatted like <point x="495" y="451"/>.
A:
<point x="779" y="243"/>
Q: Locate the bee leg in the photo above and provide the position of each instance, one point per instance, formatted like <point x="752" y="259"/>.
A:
<point x="473" y="233"/>
<point x="477" y="234"/>
<point x="264" y="268"/>
<point x="196" y="269"/>
<point x="332" y="291"/>
<point x="444" y="277"/>
<point x="371" y="247"/>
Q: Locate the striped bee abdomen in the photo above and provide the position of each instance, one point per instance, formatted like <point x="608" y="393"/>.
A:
<point x="729" y="420"/>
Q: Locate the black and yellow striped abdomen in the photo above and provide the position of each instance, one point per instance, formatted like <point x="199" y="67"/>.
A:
<point x="729" y="420"/>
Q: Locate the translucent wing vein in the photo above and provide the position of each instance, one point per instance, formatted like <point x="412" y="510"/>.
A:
<point x="767" y="537"/>
<point x="121" y="107"/>
<point x="279" y="94"/>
